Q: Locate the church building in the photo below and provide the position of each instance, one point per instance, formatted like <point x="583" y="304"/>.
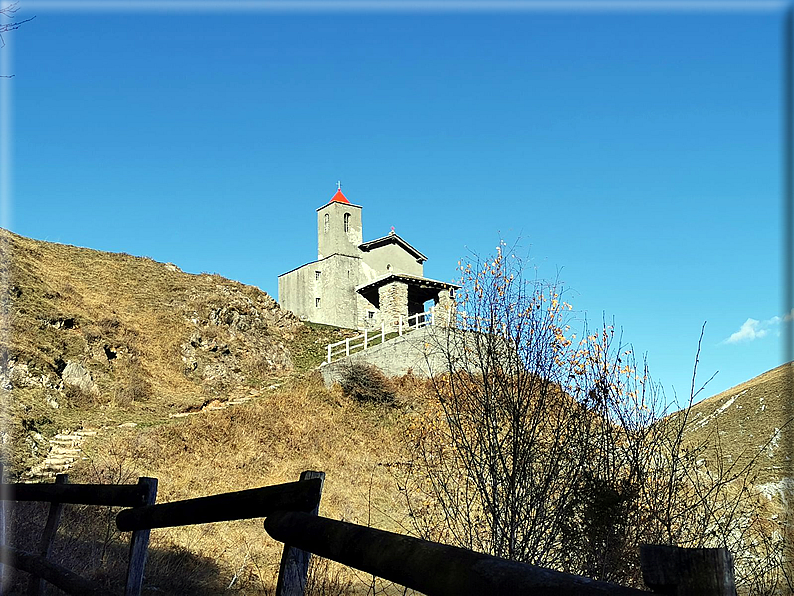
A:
<point x="356" y="284"/>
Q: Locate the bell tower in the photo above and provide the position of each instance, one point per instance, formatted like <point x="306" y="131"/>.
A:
<point x="338" y="227"/>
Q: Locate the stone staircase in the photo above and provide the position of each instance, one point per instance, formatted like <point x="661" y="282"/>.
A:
<point x="65" y="446"/>
<point x="64" y="452"/>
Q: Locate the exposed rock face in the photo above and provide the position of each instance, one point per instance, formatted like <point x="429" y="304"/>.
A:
<point x="18" y="375"/>
<point x="236" y="333"/>
<point x="74" y="375"/>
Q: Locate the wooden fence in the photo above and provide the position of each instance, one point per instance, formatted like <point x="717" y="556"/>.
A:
<point x="37" y="564"/>
<point x="291" y="512"/>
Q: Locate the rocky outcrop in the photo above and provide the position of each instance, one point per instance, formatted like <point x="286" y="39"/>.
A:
<point x="76" y="376"/>
<point x="237" y="333"/>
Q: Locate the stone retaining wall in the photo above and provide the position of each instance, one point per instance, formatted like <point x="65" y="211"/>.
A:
<point x="423" y="352"/>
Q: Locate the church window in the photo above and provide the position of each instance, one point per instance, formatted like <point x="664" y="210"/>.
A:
<point x="370" y="314"/>
<point x="317" y="303"/>
<point x="326" y="222"/>
<point x="347" y="222"/>
<point x="317" y="274"/>
<point x="388" y="266"/>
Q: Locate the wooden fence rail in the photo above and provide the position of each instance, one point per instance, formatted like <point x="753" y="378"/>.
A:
<point x="431" y="568"/>
<point x="40" y="567"/>
<point x="36" y="581"/>
<point x="110" y="495"/>
<point x="256" y="502"/>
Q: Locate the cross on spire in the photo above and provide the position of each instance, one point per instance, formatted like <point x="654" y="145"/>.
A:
<point x="338" y="185"/>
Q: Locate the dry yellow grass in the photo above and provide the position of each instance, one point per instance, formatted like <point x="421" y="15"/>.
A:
<point x="752" y="424"/>
<point x="269" y="441"/>
<point x="155" y="340"/>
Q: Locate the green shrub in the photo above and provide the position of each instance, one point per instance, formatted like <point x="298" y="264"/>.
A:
<point x="367" y="384"/>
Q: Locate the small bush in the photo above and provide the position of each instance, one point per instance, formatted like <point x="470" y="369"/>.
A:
<point x="367" y="384"/>
<point x="134" y="388"/>
<point x="78" y="397"/>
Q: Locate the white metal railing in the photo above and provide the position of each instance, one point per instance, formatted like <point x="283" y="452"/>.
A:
<point x="402" y="325"/>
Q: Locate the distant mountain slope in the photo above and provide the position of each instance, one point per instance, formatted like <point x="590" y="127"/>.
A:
<point x="750" y="420"/>
<point x="94" y="336"/>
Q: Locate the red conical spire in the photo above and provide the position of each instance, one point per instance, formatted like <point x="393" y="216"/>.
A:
<point x="339" y="197"/>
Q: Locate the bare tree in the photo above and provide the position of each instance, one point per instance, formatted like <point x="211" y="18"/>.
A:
<point x="540" y="446"/>
<point x="8" y="11"/>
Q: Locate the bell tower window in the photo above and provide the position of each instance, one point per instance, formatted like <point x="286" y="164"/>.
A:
<point x="347" y="222"/>
<point x="326" y="222"/>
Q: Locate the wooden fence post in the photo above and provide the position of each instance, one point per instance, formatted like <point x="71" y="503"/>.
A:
<point x="294" y="570"/>
<point x="687" y="571"/>
<point x="36" y="584"/>
<point x="139" y="543"/>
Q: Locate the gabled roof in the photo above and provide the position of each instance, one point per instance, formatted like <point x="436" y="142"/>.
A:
<point x="411" y="280"/>
<point x="420" y="289"/>
<point x="393" y="238"/>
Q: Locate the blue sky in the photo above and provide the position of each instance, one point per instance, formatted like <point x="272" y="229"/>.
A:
<point x="636" y="155"/>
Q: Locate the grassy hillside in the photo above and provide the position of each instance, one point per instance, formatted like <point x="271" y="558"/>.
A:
<point x="98" y="339"/>
<point x="301" y="425"/>
<point x="750" y="423"/>
<point x="145" y="355"/>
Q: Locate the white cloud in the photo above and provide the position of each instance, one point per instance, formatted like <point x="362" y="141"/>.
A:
<point x="754" y="329"/>
<point x="749" y="331"/>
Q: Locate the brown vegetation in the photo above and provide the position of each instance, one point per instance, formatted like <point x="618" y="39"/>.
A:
<point x="560" y="451"/>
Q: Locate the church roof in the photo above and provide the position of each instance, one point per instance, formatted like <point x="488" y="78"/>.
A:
<point x="339" y="198"/>
<point x="392" y="238"/>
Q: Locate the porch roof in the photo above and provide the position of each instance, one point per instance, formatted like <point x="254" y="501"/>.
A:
<point x="420" y="289"/>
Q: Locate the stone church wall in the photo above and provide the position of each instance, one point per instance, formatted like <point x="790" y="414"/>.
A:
<point x="393" y="299"/>
<point x="335" y="285"/>
<point x="335" y="240"/>
<point x="396" y="256"/>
